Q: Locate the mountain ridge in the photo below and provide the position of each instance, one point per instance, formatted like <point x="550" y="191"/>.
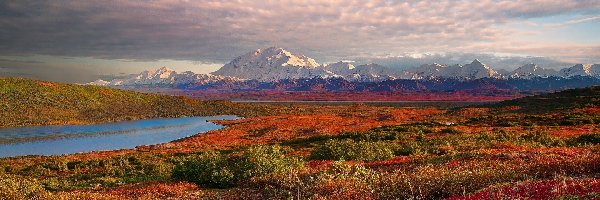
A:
<point x="273" y="64"/>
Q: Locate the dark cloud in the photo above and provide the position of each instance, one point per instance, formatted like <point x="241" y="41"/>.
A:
<point x="215" y="31"/>
<point x="51" y="73"/>
<point x="20" y="61"/>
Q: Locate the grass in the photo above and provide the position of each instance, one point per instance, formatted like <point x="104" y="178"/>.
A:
<point x="26" y="102"/>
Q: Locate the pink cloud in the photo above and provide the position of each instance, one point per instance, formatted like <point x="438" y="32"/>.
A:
<point x="218" y="30"/>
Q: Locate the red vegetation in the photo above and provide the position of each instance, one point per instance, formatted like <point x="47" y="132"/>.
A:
<point x="545" y="189"/>
<point x="149" y="190"/>
<point x="271" y="129"/>
<point x="274" y="95"/>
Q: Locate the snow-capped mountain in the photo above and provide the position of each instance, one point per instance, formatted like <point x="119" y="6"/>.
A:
<point x="473" y="70"/>
<point x="342" y="69"/>
<point x="529" y="71"/>
<point x="426" y="71"/>
<point x="362" y="73"/>
<point x="374" y="72"/>
<point x="272" y="64"/>
<point x="503" y="73"/>
<point x="99" y="82"/>
<point x="162" y="76"/>
<point x="476" y="70"/>
<point x="581" y="70"/>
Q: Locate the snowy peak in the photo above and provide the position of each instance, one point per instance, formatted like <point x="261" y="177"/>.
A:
<point x="341" y="68"/>
<point x="529" y="71"/>
<point x="161" y="73"/>
<point x="161" y="76"/>
<point x="476" y="62"/>
<point x="341" y="65"/>
<point x="270" y="64"/>
<point x="374" y="72"/>
<point x="474" y="70"/>
<point x="426" y="71"/>
<point x="578" y="70"/>
<point x="99" y="82"/>
<point x="274" y="64"/>
<point x="164" y="72"/>
<point x="477" y="70"/>
<point x="363" y="73"/>
<point x="286" y="58"/>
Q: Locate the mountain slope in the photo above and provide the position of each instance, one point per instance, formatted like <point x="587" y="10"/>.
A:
<point x="374" y="72"/>
<point x="25" y="102"/>
<point x="272" y="64"/>
<point x="471" y="71"/>
<point x="532" y="70"/>
<point x="162" y="77"/>
<point x="581" y="70"/>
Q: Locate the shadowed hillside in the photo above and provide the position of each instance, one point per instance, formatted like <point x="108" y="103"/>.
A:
<point x="568" y="99"/>
<point x="25" y="102"/>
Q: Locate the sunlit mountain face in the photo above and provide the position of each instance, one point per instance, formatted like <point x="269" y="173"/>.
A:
<point x="71" y="41"/>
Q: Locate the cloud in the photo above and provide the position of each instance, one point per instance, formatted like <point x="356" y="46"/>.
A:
<point x="20" y="61"/>
<point x="579" y="20"/>
<point x="583" y="20"/>
<point x="51" y="73"/>
<point x="214" y="31"/>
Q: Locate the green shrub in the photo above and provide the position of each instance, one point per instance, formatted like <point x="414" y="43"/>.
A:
<point x="56" y="164"/>
<point x="541" y="138"/>
<point x="451" y="131"/>
<point x="352" y="150"/>
<point x="216" y="169"/>
<point x="508" y="124"/>
<point x="420" y="129"/>
<point x="586" y="139"/>
<point x="209" y="169"/>
<point x="340" y="181"/>
<point x="372" y="135"/>
<point x="262" y="160"/>
<point x="420" y="147"/>
<point x="484" y="136"/>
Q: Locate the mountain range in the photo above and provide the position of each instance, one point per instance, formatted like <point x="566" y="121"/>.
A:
<point x="277" y="66"/>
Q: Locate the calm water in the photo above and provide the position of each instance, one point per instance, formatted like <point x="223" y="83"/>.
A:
<point x="56" y="140"/>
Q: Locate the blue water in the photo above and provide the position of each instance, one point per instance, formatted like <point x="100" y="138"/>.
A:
<point x="57" y="140"/>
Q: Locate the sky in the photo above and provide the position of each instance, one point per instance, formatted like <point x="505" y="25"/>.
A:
<point x="80" y="41"/>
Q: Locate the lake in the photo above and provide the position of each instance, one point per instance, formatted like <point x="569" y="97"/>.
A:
<point x="57" y="140"/>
